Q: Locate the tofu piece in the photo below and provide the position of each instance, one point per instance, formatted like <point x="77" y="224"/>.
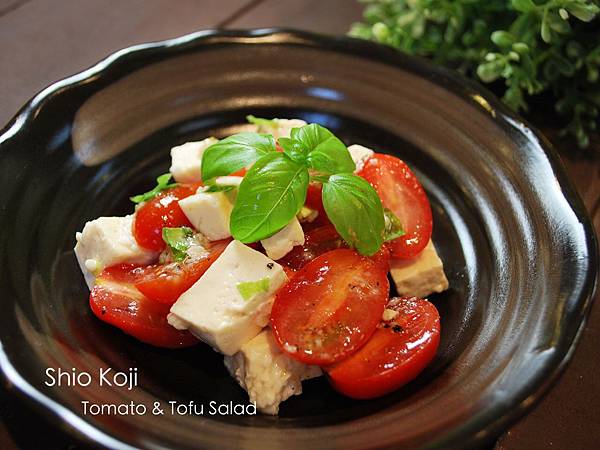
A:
<point x="186" y="160"/>
<point x="359" y="155"/>
<point x="268" y="374"/>
<point x="218" y="311"/>
<point x="209" y="213"/>
<point x="420" y="276"/>
<point x="283" y="129"/>
<point x="282" y="242"/>
<point x="107" y="241"/>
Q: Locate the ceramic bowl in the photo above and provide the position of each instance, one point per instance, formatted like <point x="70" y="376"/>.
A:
<point x="518" y="248"/>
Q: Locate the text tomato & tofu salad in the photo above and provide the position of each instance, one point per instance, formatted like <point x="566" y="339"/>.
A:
<point x="276" y="247"/>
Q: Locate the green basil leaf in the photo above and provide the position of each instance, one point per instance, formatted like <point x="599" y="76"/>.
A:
<point x="162" y="183"/>
<point x="293" y="149"/>
<point x="324" y="152"/>
<point x="270" y="195"/>
<point x="234" y="153"/>
<point x="355" y="210"/>
<point x="259" y="121"/>
<point x="393" y="227"/>
<point x="249" y="289"/>
<point x="178" y="240"/>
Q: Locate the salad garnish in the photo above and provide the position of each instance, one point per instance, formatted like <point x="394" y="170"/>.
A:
<point x="178" y="240"/>
<point x="274" y="189"/>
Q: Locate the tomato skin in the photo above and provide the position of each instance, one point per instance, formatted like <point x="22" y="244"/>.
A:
<point x="393" y="356"/>
<point x="401" y="192"/>
<point x="161" y="211"/>
<point x="164" y="283"/>
<point x="316" y="242"/>
<point x="330" y="307"/>
<point x="122" y="305"/>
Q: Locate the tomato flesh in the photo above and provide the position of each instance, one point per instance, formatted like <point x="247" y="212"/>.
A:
<point x="316" y="242"/>
<point x="314" y="200"/>
<point x="165" y="283"/>
<point x="401" y="192"/>
<point x="159" y="212"/>
<point x="396" y="353"/>
<point x="330" y="307"/>
<point x="119" y="303"/>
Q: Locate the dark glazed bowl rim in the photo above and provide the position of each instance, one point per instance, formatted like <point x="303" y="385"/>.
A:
<point x="497" y="415"/>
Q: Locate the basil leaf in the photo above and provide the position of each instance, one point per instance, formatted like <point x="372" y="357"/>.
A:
<point x="293" y="149"/>
<point x="234" y="153"/>
<point x="324" y="152"/>
<point x="162" y="183"/>
<point x="355" y="210"/>
<point x="178" y="240"/>
<point x="393" y="227"/>
<point x="270" y="195"/>
<point x="259" y="121"/>
<point x="249" y="289"/>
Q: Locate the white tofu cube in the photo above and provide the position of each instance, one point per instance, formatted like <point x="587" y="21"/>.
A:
<point x="283" y="127"/>
<point x="359" y="155"/>
<point x="230" y="303"/>
<point x="420" y="276"/>
<point x="282" y="242"/>
<point x="186" y="160"/>
<point x="268" y="374"/>
<point x="209" y="213"/>
<point x="107" y="241"/>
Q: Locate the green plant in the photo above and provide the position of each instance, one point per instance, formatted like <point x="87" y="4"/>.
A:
<point x="535" y="46"/>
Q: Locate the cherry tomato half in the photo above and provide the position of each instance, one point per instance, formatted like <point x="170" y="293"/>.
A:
<point x="159" y="212"/>
<point x="396" y="353"/>
<point x="330" y="307"/>
<point x="164" y="283"/>
<point x="401" y="192"/>
<point x="119" y="303"/>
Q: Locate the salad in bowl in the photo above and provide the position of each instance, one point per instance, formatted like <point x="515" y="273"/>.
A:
<point x="279" y="247"/>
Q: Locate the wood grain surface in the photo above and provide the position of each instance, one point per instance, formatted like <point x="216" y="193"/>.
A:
<point x="45" y="40"/>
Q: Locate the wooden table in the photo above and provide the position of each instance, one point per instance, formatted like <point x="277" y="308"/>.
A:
<point x="45" y="40"/>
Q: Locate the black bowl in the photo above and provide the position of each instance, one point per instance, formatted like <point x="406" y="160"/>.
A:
<point x="519" y="250"/>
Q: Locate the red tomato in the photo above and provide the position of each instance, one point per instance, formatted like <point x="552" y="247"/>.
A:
<point x="164" y="283"/>
<point x="120" y="304"/>
<point x="240" y="173"/>
<point x="396" y="353"/>
<point x="314" y="200"/>
<point x="316" y="242"/>
<point x="330" y="307"/>
<point x="401" y="192"/>
<point x="162" y="211"/>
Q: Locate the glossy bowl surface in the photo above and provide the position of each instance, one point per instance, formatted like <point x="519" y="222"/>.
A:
<point x="518" y="247"/>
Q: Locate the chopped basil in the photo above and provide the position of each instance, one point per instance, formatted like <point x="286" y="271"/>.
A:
<point x="393" y="227"/>
<point x="178" y="240"/>
<point x="162" y="183"/>
<point x="249" y="289"/>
